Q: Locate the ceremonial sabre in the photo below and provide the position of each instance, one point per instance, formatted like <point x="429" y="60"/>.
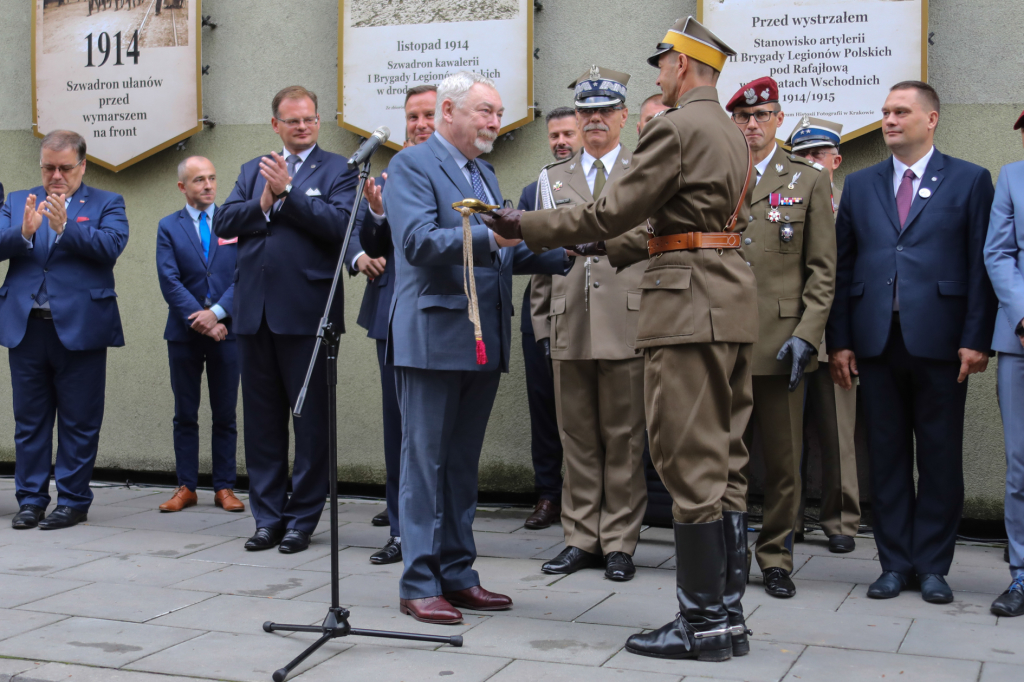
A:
<point x="468" y="207"/>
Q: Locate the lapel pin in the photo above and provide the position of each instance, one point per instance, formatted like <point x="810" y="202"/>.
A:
<point x="924" y="192"/>
<point x="934" y="179"/>
<point x="557" y="186"/>
<point x="779" y="168"/>
<point x="796" y="177"/>
<point x="572" y="166"/>
<point x="624" y="162"/>
<point x="313" y="167"/>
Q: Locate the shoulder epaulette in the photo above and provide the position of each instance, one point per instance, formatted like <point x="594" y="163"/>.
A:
<point x="806" y="162"/>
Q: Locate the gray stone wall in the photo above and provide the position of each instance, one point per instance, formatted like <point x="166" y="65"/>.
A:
<point x="260" y="47"/>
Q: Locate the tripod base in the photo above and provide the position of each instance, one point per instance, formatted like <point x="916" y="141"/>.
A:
<point x="336" y="625"/>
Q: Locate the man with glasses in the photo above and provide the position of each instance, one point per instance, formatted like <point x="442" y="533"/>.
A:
<point x="599" y="378"/>
<point x="833" y="409"/>
<point x="790" y="243"/>
<point x="288" y="213"/>
<point x="58" y="316"/>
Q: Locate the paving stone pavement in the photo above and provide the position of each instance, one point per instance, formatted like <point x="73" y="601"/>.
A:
<point x="134" y="595"/>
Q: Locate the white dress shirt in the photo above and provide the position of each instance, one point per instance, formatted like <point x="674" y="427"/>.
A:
<point x="31" y="245"/>
<point x="608" y="160"/>
<point x="461" y="161"/>
<point x="899" y="168"/>
<point x="763" y="166"/>
<point x="194" y="214"/>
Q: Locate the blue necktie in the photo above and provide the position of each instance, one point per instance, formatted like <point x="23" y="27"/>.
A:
<point x="477" y="181"/>
<point x="204" y="235"/>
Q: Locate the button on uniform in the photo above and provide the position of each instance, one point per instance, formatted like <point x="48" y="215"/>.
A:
<point x="748" y="240"/>
<point x="899" y="248"/>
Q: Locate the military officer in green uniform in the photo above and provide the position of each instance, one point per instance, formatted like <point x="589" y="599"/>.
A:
<point x="790" y="243"/>
<point x="832" y="409"/>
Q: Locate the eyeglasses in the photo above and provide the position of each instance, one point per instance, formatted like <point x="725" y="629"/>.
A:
<point x="602" y="112"/>
<point x="760" y="116"/>
<point x="820" y="154"/>
<point x="64" y="170"/>
<point x="293" y="122"/>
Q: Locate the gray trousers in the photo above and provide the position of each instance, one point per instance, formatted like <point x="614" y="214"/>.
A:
<point x="1010" y="384"/>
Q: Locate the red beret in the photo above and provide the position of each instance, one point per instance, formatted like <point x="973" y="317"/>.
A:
<point x="1020" y="122"/>
<point x="760" y="91"/>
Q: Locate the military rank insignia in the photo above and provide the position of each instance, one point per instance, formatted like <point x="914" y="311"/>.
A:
<point x="786" y="232"/>
<point x="557" y="186"/>
<point x="779" y="168"/>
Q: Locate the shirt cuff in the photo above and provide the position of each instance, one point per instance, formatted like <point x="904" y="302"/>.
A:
<point x="218" y="311"/>
<point x="266" y="214"/>
<point x="379" y="219"/>
<point x="492" y="240"/>
<point x="353" y="264"/>
<point x="29" y="242"/>
<point x="56" y="239"/>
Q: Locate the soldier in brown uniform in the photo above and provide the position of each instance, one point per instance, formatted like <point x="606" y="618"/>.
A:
<point x="790" y="243"/>
<point x="599" y="377"/>
<point x="832" y="409"/>
<point x="689" y="178"/>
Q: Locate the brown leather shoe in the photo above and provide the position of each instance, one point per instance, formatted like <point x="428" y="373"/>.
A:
<point x="226" y="499"/>
<point x="544" y="514"/>
<point x="478" y="599"/>
<point x="431" y="610"/>
<point x="183" y="497"/>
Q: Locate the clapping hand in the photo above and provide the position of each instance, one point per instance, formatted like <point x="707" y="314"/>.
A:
<point x="373" y="193"/>
<point x="32" y="218"/>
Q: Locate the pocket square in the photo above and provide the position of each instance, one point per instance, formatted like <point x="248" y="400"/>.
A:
<point x="312" y="192"/>
<point x="222" y="242"/>
<point x="81" y="219"/>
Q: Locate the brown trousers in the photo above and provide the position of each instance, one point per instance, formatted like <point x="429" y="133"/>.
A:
<point x="600" y="409"/>
<point x="699" y="400"/>
<point x="833" y="411"/>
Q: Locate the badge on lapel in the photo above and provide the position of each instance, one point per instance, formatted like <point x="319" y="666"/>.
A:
<point x="312" y="192"/>
<point x="924" y="193"/>
<point x="557" y="186"/>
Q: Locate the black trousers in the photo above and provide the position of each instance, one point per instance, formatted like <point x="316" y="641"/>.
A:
<point x="545" y="444"/>
<point x="907" y="397"/>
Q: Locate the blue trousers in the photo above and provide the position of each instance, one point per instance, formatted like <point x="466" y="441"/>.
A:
<point x="49" y="381"/>
<point x="444" y="417"/>
<point x="392" y="435"/>
<point x="187" y="359"/>
<point x="1010" y="384"/>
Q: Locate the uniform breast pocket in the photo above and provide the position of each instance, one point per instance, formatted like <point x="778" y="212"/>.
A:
<point x="559" y="326"/>
<point x="786" y="235"/>
<point x="666" y="303"/>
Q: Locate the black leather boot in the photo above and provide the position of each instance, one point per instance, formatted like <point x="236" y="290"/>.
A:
<point x="700" y="583"/>
<point x="736" y="576"/>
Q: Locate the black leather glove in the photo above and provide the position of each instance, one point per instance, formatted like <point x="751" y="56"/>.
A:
<point x="591" y="249"/>
<point x="545" y="347"/>
<point x="802" y="354"/>
<point x="504" y="221"/>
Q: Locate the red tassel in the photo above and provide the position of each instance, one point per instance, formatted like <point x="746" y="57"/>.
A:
<point x="481" y="352"/>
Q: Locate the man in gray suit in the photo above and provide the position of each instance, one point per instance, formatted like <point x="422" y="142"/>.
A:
<point x="444" y="394"/>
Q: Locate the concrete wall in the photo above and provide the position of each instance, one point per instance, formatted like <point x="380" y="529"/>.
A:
<point x="259" y="47"/>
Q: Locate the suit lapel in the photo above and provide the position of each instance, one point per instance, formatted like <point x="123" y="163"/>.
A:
<point x="887" y="198"/>
<point x="451" y="169"/>
<point x="491" y="181"/>
<point x="185" y="220"/>
<point x="311" y="163"/>
<point x="578" y="179"/>
<point x="930" y="181"/>
<point x="621" y="164"/>
<point x="213" y="239"/>
<point x="773" y="178"/>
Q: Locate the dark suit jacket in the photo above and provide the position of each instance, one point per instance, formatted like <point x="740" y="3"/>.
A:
<point x="286" y="265"/>
<point x="946" y="298"/>
<point x="527" y="202"/>
<point x="185" y="275"/>
<point x="79" y="269"/>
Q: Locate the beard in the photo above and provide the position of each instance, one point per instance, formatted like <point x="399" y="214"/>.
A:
<point x="485" y="140"/>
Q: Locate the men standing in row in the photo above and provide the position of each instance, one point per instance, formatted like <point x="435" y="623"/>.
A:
<point x="444" y="391"/>
<point x="377" y="261"/>
<point x="289" y="212"/>
<point x="58" y="316"/>
<point x="832" y="409"/>
<point x="196" y="273"/>
<point x="913" y="317"/>
<point x="690" y="177"/>
<point x="598" y="375"/>
<point x="790" y="243"/>
<point x="545" y="443"/>
<point x="1004" y="258"/>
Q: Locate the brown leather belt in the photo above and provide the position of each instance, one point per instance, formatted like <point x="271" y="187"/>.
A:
<point x="693" y="240"/>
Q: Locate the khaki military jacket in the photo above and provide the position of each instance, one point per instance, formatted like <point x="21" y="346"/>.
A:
<point x="795" y="278"/>
<point x="593" y="310"/>
<point x="686" y="175"/>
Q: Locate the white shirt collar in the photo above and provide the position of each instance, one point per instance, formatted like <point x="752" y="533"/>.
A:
<point x="194" y="212"/>
<point x="899" y="168"/>
<point x="303" y="155"/>
<point x="587" y="161"/>
<point x="763" y="166"/>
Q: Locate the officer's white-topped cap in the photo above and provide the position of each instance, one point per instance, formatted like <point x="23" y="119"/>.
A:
<point x="691" y="38"/>
<point x="813" y="132"/>
<point x="599" y="87"/>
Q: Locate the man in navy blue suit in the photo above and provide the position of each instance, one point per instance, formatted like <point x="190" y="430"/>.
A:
<point x="372" y="253"/>
<point x="444" y="393"/>
<point x="913" y="317"/>
<point x="58" y="316"/>
<point x="289" y="212"/>
<point x="196" y="271"/>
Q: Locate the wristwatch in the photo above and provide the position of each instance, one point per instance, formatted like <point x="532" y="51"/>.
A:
<point x="286" y="192"/>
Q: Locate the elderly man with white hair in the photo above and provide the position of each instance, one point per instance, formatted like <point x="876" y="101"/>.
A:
<point x="450" y="342"/>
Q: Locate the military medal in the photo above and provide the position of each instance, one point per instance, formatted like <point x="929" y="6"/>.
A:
<point x="774" y="200"/>
<point x="791" y="201"/>
<point x="796" y="177"/>
<point x="786" y="232"/>
<point x="557" y="186"/>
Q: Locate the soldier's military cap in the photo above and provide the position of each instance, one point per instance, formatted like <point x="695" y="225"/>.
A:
<point x="1020" y="122"/>
<point x="764" y="90"/>
<point x="813" y="132"/>
<point x="599" y="87"/>
<point x="688" y="36"/>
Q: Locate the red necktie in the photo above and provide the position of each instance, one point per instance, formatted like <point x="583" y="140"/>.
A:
<point x="905" y="196"/>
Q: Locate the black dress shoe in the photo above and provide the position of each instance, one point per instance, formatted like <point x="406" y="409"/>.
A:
<point x="934" y="589"/>
<point x="777" y="583"/>
<point x="572" y="559"/>
<point x="619" y="567"/>
<point x="391" y="553"/>
<point x="381" y="519"/>
<point x="294" y="541"/>
<point x="63" y="517"/>
<point x="264" y="538"/>
<point x="28" y="516"/>
<point x="1011" y="602"/>
<point x="888" y="585"/>
<point x="841" y="544"/>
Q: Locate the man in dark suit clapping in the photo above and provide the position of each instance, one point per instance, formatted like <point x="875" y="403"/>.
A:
<point x="289" y="212"/>
<point x="913" y="317"/>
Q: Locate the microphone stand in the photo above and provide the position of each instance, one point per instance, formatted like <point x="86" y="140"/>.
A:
<point x="336" y="623"/>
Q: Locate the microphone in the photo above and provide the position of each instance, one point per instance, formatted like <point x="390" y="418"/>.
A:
<point x="367" y="148"/>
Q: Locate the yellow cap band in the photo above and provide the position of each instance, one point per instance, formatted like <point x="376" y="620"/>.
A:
<point x="696" y="49"/>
